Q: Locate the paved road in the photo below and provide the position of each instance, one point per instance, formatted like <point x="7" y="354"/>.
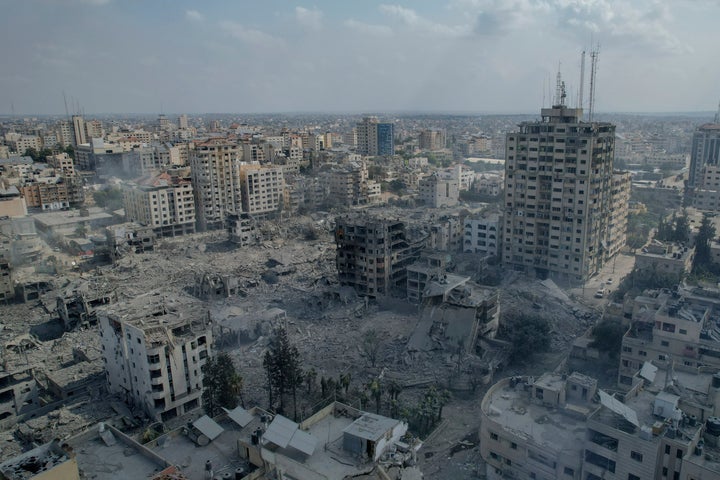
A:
<point x="615" y="270"/>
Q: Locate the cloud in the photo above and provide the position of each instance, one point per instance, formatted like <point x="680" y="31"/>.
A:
<point x="250" y="35"/>
<point x="194" y="15"/>
<point x="368" y="29"/>
<point x="414" y="21"/>
<point x="310" y="19"/>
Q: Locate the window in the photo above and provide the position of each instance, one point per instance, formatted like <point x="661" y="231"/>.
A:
<point x="513" y="445"/>
<point x="568" y="471"/>
<point x="633" y="477"/>
<point x="665" y="343"/>
<point x="636" y="456"/>
<point x="664" y="471"/>
<point x="679" y="453"/>
<point x="493" y="436"/>
<point x="683" y="331"/>
<point x="667" y="449"/>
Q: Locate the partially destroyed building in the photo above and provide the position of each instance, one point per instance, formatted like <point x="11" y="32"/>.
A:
<point x="129" y="237"/>
<point x="154" y="348"/>
<point x="78" y="300"/>
<point x="7" y="287"/>
<point x="373" y="253"/>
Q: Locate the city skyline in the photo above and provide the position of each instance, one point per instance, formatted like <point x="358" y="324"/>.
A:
<point x="108" y="56"/>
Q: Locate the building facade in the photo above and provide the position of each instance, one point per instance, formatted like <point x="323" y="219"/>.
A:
<point x="563" y="212"/>
<point x="215" y="167"/>
<point x="705" y="150"/>
<point x="153" y="349"/>
<point x="163" y="202"/>
<point x="482" y="234"/>
<point x="262" y="189"/>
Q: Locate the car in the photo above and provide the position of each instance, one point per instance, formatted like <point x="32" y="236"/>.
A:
<point x="600" y="293"/>
<point x="609" y="281"/>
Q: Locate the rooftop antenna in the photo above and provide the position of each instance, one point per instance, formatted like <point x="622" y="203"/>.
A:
<point x="67" y="114"/>
<point x="543" y="94"/>
<point x="582" y="79"/>
<point x="558" y="86"/>
<point x="593" y="81"/>
<point x="717" y="114"/>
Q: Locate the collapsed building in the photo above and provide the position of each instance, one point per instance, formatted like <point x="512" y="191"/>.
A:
<point x="129" y="237"/>
<point x="154" y="348"/>
<point x="77" y="302"/>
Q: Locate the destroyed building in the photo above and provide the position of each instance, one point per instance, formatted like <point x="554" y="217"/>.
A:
<point x="18" y="391"/>
<point x="243" y="229"/>
<point x="129" y="238"/>
<point x="78" y="301"/>
<point x="7" y="287"/>
<point x="154" y="349"/>
<point x="373" y="253"/>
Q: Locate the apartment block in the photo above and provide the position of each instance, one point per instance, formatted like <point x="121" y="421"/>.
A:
<point x="432" y="140"/>
<point x="375" y="138"/>
<point x="373" y="253"/>
<point x="437" y="190"/>
<point x="62" y="162"/>
<point x="215" y="167"/>
<point x="671" y="328"/>
<point x="80" y="136"/>
<point x="705" y="150"/>
<point x="665" y="258"/>
<point x="153" y="348"/>
<point x="54" y="193"/>
<point x="565" y="207"/>
<point x="164" y="202"/>
<point x="482" y="234"/>
<point x="349" y="185"/>
<point x="262" y="189"/>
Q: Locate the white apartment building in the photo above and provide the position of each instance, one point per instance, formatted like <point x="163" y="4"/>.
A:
<point x="565" y="208"/>
<point x="153" y="349"/>
<point x="439" y="191"/>
<point x="163" y="202"/>
<point x="483" y="234"/>
<point x="215" y="167"/>
<point x="262" y="189"/>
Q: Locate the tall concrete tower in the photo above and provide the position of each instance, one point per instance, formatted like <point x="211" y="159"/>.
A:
<point x="565" y="207"/>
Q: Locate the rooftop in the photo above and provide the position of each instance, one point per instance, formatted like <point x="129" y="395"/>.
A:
<point x="543" y="426"/>
<point x="70" y="217"/>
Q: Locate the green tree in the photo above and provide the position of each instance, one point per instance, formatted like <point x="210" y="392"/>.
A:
<point x="109" y="198"/>
<point x="222" y="384"/>
<point x="703" y="262"/>
<point x="607" y="337"/>
<point x="681" y="228"/>
<point x="283" y="369"/>
<point x="32" y="153"/>
<point x="528" y="334"/>
<point x="81" y="229"/>
<point x="376" y="390"/>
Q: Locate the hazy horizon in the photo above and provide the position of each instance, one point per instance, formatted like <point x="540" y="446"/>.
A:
<point x="461" y="56"/>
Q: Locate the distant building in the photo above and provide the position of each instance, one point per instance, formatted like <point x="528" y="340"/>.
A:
<point x="438" y="190"/>
<point x="216" y="181"/>
<point x="432" y="140"/>
<point x="164" y="202"/>
<point x="262" y="189"/>
<point x="375" y="138"/>
<point x="705" y="150"/>
<point x="79" y="129"/>
<point x="62" y="162"/>
<point x="154" y="348"/>
<point x="665" y="258"/>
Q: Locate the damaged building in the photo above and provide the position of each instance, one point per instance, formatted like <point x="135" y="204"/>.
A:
<point x="373" y="253"/>
<point x="77" y="301"/>
<point x="154" y="348"/>
<point x="129" y="238"/>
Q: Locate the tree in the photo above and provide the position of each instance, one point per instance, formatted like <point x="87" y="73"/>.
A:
<point x="283" y="369"/>
<point x="681" y="228"/>
<point x="607" y="337"/>
<point x="703" y="257"/>
<point x="528" y="334"/>
<point x="109" y="198"/>
<point x="376" y="390"/>
<point x="222" y="384"/>
<point x="81" y="229"/>
<point x="370" y="345"/>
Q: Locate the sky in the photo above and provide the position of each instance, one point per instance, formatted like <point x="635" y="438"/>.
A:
<point x="241" y="56"/>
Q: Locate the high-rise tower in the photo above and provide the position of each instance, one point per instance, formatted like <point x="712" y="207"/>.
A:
<point x="565" y="207"/>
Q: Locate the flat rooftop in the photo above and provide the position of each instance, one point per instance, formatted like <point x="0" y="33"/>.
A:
<point x="543" y="426"/>
<point x="70" y="217"/>
<point x="154" y="309"/>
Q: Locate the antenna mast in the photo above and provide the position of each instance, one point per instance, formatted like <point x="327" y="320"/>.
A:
<point x="717" y="114"/>
<point x="582" y="79"/>
<point x="67" y="114"/>
<point x="558" y="87"/>
<point x="593" y="81"/>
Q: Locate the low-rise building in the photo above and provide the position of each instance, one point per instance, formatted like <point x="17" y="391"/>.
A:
<point x="665" y="258"/>
<point x="439" y="191"/>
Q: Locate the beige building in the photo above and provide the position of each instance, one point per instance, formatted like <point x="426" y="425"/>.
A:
<point x="215" y="166"/>
<point x="154" y="348"/>
<point x="163" y="202"/>
<point x="482" y="234"/>
<point x="665" y="258"/>
<point x="7" y="286"/>
<point x="565" y="207"/>
<point x="432" y="140"/>
<point x="12" y="202"/>
<point x="439" y="190"/>
<point x="54" y="193"/>
<point x="79" y="130"/>
<point x="262" y="189"/>
<point x="62" y="162"/>
<point x="349" y="185"/>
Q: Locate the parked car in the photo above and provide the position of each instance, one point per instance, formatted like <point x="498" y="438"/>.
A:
<point x="600" y="293"/>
